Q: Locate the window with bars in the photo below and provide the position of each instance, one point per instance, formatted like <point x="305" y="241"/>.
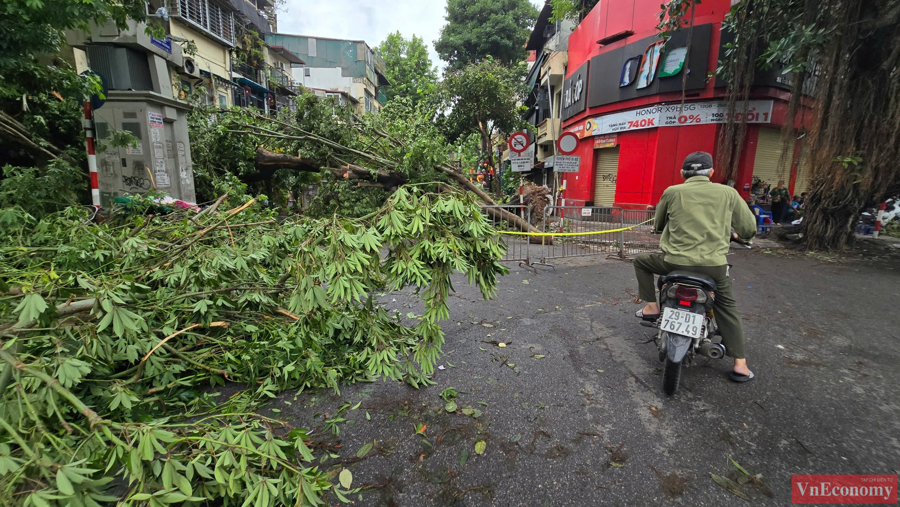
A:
<point x="210" y="16"/>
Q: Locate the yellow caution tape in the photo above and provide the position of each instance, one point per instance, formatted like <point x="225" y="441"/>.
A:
<point x="516" y="233"/>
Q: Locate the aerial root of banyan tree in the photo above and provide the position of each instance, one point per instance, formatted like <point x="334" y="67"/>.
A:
<point x="853" y="118"/>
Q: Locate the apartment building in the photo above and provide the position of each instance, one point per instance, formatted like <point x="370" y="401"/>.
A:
<point x="349" y="69"/>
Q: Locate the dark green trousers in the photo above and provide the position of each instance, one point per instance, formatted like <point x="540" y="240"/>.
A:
<point x="725" y="308"/>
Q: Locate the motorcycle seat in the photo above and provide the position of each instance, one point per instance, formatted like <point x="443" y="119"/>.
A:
<point x="688" y="277"/>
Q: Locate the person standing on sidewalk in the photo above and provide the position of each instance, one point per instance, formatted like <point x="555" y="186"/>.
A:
<point x="695" y="220"/>
<point x="780" y="201"/>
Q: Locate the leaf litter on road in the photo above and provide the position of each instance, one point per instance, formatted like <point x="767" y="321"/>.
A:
<point x="672" y="484"/>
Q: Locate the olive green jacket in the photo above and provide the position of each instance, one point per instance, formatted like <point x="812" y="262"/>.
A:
<point x="696" y="218"/>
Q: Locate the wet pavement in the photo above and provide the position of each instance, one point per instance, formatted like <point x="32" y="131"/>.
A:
<point x="571" y="409"/>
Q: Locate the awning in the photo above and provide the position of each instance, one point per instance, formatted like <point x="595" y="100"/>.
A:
<point x="289" y="56"/>
<point x="255" y="86"/>
<point x="535" y="71"/>
<point x="536" y="38"/>
<point x="217" y="78"/>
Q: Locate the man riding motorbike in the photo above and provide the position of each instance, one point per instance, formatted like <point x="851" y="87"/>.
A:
<point x="695" y="219"/>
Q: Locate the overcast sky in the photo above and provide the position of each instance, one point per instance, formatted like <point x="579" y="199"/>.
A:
<point x="368" y="20"/>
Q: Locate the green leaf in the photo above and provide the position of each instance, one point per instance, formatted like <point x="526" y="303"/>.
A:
<point x="450" y="406"/>
<point x="480" y="447"/>
<point x="30" y="309"/>
<point x="463" y="457"/>
<point x="63" y="484"/>
<point x="731" y="486"/>
<point x="346" y="478"/>
<point x="364" y="450"/>
<point x="37" y="500"/>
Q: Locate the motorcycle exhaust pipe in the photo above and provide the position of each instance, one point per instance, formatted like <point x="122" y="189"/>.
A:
<point x="712" y="350"/>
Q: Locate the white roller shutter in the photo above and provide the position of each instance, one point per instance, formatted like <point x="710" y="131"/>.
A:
<point x="768" y="155"/>
<point x="606" y="175"/>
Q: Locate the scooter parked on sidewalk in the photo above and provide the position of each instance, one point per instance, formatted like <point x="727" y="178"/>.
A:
<point x="687" y="323"/>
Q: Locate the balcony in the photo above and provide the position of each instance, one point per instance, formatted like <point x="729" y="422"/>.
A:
<point x="554" y="68"/>
<point x="280" y="78"/>
<point x="547" y="131"/>
<point x="248" y="71"/>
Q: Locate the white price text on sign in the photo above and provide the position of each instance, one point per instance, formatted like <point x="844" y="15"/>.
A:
<point x="692" y="113"/>
<point x="566" y="164"/>
<point x="522" y="162"/>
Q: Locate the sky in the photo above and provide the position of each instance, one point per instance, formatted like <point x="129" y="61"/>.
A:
<point x="368" y="20"/>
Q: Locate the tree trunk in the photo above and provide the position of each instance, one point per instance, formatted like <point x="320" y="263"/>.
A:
<point x="830" y="222"/>
<point x="267" y="161"/>
<point x="498" y="213"/>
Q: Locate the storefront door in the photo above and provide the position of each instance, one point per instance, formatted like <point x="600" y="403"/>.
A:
<point x="605" y="178"/>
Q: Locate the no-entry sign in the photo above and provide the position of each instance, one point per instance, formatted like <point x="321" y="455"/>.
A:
<point x="519" y="142"/>
<point x="567" y="143"/>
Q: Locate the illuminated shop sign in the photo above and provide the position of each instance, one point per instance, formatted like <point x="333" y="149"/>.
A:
<point x="674" y="115"/>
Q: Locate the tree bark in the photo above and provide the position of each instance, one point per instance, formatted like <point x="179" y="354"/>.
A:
<point x="267" y="160"/>
<point x="496" y="213"/>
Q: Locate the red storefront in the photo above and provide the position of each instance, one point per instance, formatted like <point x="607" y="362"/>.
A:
<point x="623" y="97"/>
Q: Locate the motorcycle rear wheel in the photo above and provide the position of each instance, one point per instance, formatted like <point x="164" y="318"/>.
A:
<point x="671" y="376"/>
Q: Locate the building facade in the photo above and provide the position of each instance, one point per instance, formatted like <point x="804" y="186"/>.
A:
<point x="348" y="67"/>
<point x="550" y="41"/>
<point x="622" y="96"/>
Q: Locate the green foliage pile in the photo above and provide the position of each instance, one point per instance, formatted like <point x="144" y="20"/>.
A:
<point x="113" y="337"/>
<point x="402" y="138"/>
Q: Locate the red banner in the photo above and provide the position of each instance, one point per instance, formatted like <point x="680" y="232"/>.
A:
<point x="844" y="489"/>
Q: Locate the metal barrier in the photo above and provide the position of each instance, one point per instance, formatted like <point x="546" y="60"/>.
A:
<point x="517" y="245"/>
<point x="580" y="230"/>
<point x="639" y="238"/>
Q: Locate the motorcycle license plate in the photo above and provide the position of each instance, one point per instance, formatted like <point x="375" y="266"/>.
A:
<point x="682" y="322"/>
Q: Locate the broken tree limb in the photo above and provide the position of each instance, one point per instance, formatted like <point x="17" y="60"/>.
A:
<point x="265" y="159"/>
<point x="355" y="172"/>
<point x="496" y="213"/>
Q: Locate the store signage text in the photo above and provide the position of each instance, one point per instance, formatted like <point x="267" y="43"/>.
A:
<point x="696" y="113"/>
<point x="573" y="92"/>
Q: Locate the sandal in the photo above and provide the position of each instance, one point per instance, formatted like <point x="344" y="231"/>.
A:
<point x="640" y="314"/>
<point x="737" y="377"/>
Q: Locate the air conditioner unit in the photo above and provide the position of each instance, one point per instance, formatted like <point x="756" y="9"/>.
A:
<point x="190" y="67"/>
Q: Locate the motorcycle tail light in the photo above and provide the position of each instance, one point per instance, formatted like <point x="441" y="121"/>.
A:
<point x="687" y="294"/>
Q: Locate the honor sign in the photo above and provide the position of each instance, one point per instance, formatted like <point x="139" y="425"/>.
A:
<point x="692" y="113"/>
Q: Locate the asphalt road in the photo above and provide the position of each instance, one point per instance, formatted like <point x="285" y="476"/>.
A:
<point x="572" y="410"/>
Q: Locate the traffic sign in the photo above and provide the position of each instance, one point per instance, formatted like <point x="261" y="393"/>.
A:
<point x="519" y="142"/>
<point x="566" y="164"/>
<point x="522" y="162"/>
<point x="567" y="143"/>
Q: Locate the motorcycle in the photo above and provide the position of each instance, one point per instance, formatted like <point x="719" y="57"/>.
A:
<point x="687" y="323"/>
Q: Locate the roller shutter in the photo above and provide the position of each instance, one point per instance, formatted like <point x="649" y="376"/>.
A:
<point x="605" y="178"/>
<point x="767" y="165"/>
